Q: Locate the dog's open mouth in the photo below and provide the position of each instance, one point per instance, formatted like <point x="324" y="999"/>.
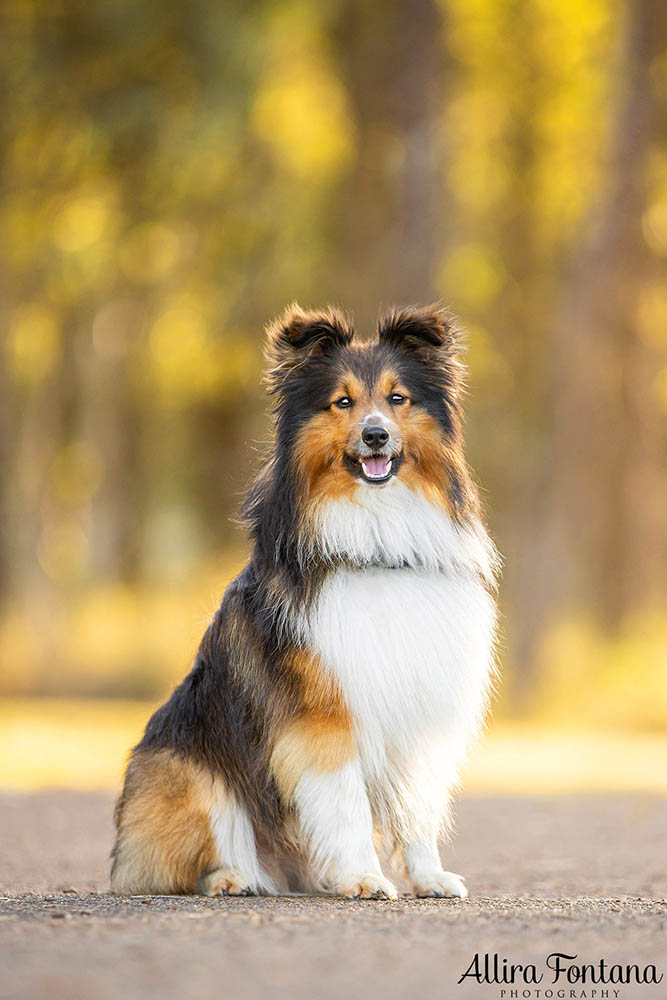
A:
<point x="377" y="468"/>
<point x="373" y="468"/>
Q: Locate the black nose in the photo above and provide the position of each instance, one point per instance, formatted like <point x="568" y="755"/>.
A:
<point x="374" y="437"/>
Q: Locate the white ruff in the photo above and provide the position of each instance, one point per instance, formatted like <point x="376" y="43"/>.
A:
<point x="411" y="648"/>
<point x="392" y="526"/>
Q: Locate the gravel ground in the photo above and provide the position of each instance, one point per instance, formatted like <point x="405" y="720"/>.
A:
<point x="584" y="876"/>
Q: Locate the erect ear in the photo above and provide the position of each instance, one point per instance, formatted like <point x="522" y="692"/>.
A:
<point x="299" y="334"/>
<point x="426" y="329"/>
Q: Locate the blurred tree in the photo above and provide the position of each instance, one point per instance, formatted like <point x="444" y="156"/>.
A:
<point x="392" y="59"/>
<point x="600" y="544"/>
<point x="171" y="175"/>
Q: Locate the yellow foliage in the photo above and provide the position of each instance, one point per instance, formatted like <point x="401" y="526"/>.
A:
<point x="654" y="224"/>
<point x="592" y="678"/>
<point x="188" y="360"/>
<point x="107" y="637"/>
<point x="301" y="116"/>
<point x="82" y="221"/>
<point x="471" y="276"/>
<point x="164" y="190"/>
<point x="547" y="92"/>
<point x="300" y="108"/>
<point x="476" y="178"/>
<point x="33" y="344"/>
<point x="652" y="316"/>
<point x="181" y="349"/>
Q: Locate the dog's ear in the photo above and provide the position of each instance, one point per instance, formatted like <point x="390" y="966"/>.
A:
<point x="428" y="335"/>
<point x="299" y="334"/>
<point x="426" y="329"/>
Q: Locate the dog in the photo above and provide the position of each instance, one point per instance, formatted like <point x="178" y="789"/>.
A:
<point x="349" y="666"/>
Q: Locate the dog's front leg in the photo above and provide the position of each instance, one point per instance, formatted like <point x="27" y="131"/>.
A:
<point x="323" y="782"/>
<point x="424" y="810"/>
<point x="426" y="873"/>
<point x="335" y="819"/>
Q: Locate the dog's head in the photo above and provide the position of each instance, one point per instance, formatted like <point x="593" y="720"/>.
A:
<point x="354" y="414"/>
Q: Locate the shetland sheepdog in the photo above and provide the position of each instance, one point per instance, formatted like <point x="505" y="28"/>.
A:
<point x="348" y="667"/>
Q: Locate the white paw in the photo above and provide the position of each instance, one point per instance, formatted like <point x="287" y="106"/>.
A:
<point x="225" y="882"/>
<point x="366" y="887"/>
<point x="439" y="884"/>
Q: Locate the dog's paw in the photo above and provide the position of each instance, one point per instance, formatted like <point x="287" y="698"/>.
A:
<point x="439" y="885"/>
<point x="366" y="887"/>
<point x="224" y="882"/>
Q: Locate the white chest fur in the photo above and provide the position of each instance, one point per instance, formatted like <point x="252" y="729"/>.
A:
<point x="411" y="652"/>
<point x="410" y="640"/>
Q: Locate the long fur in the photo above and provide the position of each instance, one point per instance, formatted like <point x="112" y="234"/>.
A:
<point x="348" y="667"/>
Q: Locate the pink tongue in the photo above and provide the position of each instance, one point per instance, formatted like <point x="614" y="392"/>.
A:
<point x="377" y="466"/>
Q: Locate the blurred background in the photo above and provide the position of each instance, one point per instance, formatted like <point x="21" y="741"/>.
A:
<point x="172" y="175"/>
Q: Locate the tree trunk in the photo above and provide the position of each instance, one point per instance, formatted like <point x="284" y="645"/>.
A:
<point x="589" y="556"/>
<point x="392" y="55"/>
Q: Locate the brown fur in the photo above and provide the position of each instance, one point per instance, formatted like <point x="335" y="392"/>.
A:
<point x="319" y="455"/>
<point x="428" y="458"/>
<point x="425" y="450"/>
<point x="319" y="693"/>
<point x="315" y="742"/>
<point x="164" y="837"/>
<point x="321" y="738"/>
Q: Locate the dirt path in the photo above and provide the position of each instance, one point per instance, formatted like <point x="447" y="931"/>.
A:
<point x="584" y="876"/>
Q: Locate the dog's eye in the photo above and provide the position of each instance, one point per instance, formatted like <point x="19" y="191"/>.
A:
<point x="396" y="399"/>
<point x="343" y="402"/>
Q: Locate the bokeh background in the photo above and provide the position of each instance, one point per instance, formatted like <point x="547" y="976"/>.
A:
<point x="172" y="175"/>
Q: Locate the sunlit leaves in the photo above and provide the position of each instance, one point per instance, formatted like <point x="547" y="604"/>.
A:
<point x="300" y="108"/>
<point x="34" y="344"/>
<point x="174" y="173"/>
<point x="189" y="360"/>
<point x="81" y="222"/>
<point x="537" y="68"/>
<point x="471" y="276"/>
<point x="300" y="113"/>
<point x="652" y="316"/>
<point x="655" y="227"/>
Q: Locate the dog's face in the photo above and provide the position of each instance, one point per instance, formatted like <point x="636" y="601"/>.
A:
<point x="361" y="427"/>
<point x="352" y="414"/>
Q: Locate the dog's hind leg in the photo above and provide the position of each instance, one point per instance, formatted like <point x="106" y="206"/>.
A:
<point x="164" y="839"/>
<point x="178" y="831"/>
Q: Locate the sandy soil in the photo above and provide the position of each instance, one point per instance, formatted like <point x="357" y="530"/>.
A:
<point x="579" y="875"/>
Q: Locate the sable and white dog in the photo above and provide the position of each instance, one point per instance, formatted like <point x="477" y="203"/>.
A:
<point x="348" y="667"/>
